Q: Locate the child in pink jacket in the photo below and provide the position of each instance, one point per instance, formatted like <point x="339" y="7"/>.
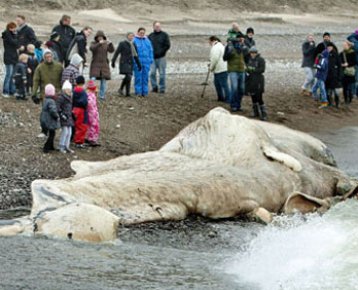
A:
<point x="93" y="115"/>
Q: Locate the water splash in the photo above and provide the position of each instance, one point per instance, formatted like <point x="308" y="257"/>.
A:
<point x="316" y="252"/>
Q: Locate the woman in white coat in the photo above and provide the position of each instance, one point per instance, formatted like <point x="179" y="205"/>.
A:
<point x="219" y="67"/>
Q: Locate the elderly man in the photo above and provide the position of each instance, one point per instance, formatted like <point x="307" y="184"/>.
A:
<point x="25" y="34"/>
<point x="48" y="72"/>
<point x="161" y="44"/>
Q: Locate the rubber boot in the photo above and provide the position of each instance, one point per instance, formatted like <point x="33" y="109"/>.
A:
<point x="263" y="115"/>
<point x="336" y="100"/>
<point x="255" y="110"/>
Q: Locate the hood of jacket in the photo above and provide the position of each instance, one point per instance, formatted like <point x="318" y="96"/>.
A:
<point x="76" y="59"/>
<point x="100" y="33"/>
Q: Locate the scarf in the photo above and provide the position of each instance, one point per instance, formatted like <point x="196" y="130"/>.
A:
<point x="134" y="51"/>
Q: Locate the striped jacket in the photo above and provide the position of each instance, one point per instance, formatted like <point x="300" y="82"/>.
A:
<point x="70" y="73"/>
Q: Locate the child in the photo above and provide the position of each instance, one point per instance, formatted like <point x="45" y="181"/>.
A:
<point x="93" y="116"/>
<point x="321" y="76"/>
<point x="49" y="118"/>
<point x="64" y="104"/>
<point x="20" y="77"/>
<point x="39" y="51"/>
<point x="80" y="101"/>
<point x="32" y="63"/>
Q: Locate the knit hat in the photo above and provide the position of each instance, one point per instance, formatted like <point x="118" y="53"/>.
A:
<point x="76" y="59"/>
<point x="329" y="44"/>
<point x="240" y="35"/>
<point x="91" y="85"/>
<point x="47" y="51"/>
<point x="253" y="50"/>
<point x="250" y="30"/>
<point x="67" y="86"/>
<point x="50" y="90"/>
<point x="80" y="80"/>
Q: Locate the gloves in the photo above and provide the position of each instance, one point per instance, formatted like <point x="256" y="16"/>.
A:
<point x="250" y="69"/>
<point x="113" y="65"/>
<point x="36" y="99"/>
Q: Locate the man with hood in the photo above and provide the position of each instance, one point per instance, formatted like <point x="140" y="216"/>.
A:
<point x="72" y="71"/>
<point x="47" y="72"/>
<point x="25" y="34"/>
<point x="65" y="31"/>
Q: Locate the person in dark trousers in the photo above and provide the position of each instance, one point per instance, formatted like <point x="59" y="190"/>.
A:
<point x="79" y="45"/>
<point x="308" y="59"/>
<point x="66" y="32"/>
<point x="32" y="64"/>
<point x="161" y="44"/>
<point x="256" y="83"/>
<point x="234" y="55"/>
<point x="50" y="118"/>
<point x="11" y="56"/>
<point x="25" y="34"/>
<point x="348" y="62"/>
<point x="72" y="71"/>
<point x="20" y="77"/>
<point x="129" y="54"/>
<point x="333" y="81"/>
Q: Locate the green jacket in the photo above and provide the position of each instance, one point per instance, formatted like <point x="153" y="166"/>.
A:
<point x="47" y="73"/>
<point x="235" y="60"/>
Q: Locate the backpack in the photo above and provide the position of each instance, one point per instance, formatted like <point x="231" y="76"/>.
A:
<point x="72" y="49"/>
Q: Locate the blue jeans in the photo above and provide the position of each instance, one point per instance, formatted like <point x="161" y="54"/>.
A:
<point x="322" y="88"/>
<point x="237" y="89"/>
<point x="9" y="85"/>
<point x="161" y="65"/>
<point x="221" y="86"/>
<point x="102" y="88"/>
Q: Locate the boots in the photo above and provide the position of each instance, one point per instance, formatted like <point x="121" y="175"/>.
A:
<point x="336" y="100"/>
<point x="255" y="110"/>
<point x="263" y="113"/>
<point x="128" y="89"/>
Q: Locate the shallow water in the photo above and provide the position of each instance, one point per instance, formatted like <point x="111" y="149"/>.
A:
<point x="311" y="252"/>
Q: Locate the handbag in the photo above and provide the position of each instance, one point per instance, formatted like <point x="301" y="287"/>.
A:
<point x="349" y="71"/>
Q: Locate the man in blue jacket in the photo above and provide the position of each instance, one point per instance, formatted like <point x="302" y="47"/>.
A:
<point x="161" y="44"/>
<point x="321" y="76"/>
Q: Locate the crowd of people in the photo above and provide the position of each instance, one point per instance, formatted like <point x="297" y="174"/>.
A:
<point x="327" y="69"/>
<point x="51" y="72"/>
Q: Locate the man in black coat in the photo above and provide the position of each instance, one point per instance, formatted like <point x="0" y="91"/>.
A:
<point x="25" y="34"/>
<point x="161" y="44"/>
<point x="308" y="59"/>
<point x="323" y="45"/>
<point x="65" y="31"/>
<point x="128" y="51"/>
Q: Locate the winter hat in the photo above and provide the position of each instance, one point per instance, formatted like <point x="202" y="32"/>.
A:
<point x="329" y="44"/>
<point x="50" y="90"/>
<point x="250" y="30"/>
<point x="38" y="43"/>
<point x="47" y="51"/>
<point x="253" y="49"/>
<point x="80" y="80"/>
<point x="76" y="59"/>
<point x="356" y="32"/>
<point x="66" y="86"/>
<point x="91" y="85"/>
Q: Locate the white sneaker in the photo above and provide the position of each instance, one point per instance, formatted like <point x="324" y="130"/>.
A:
<point x="41" y="135"/>
<point x="70" y="151"/>
<point x="63" y="151"/>
<point x="6" y="96"/>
